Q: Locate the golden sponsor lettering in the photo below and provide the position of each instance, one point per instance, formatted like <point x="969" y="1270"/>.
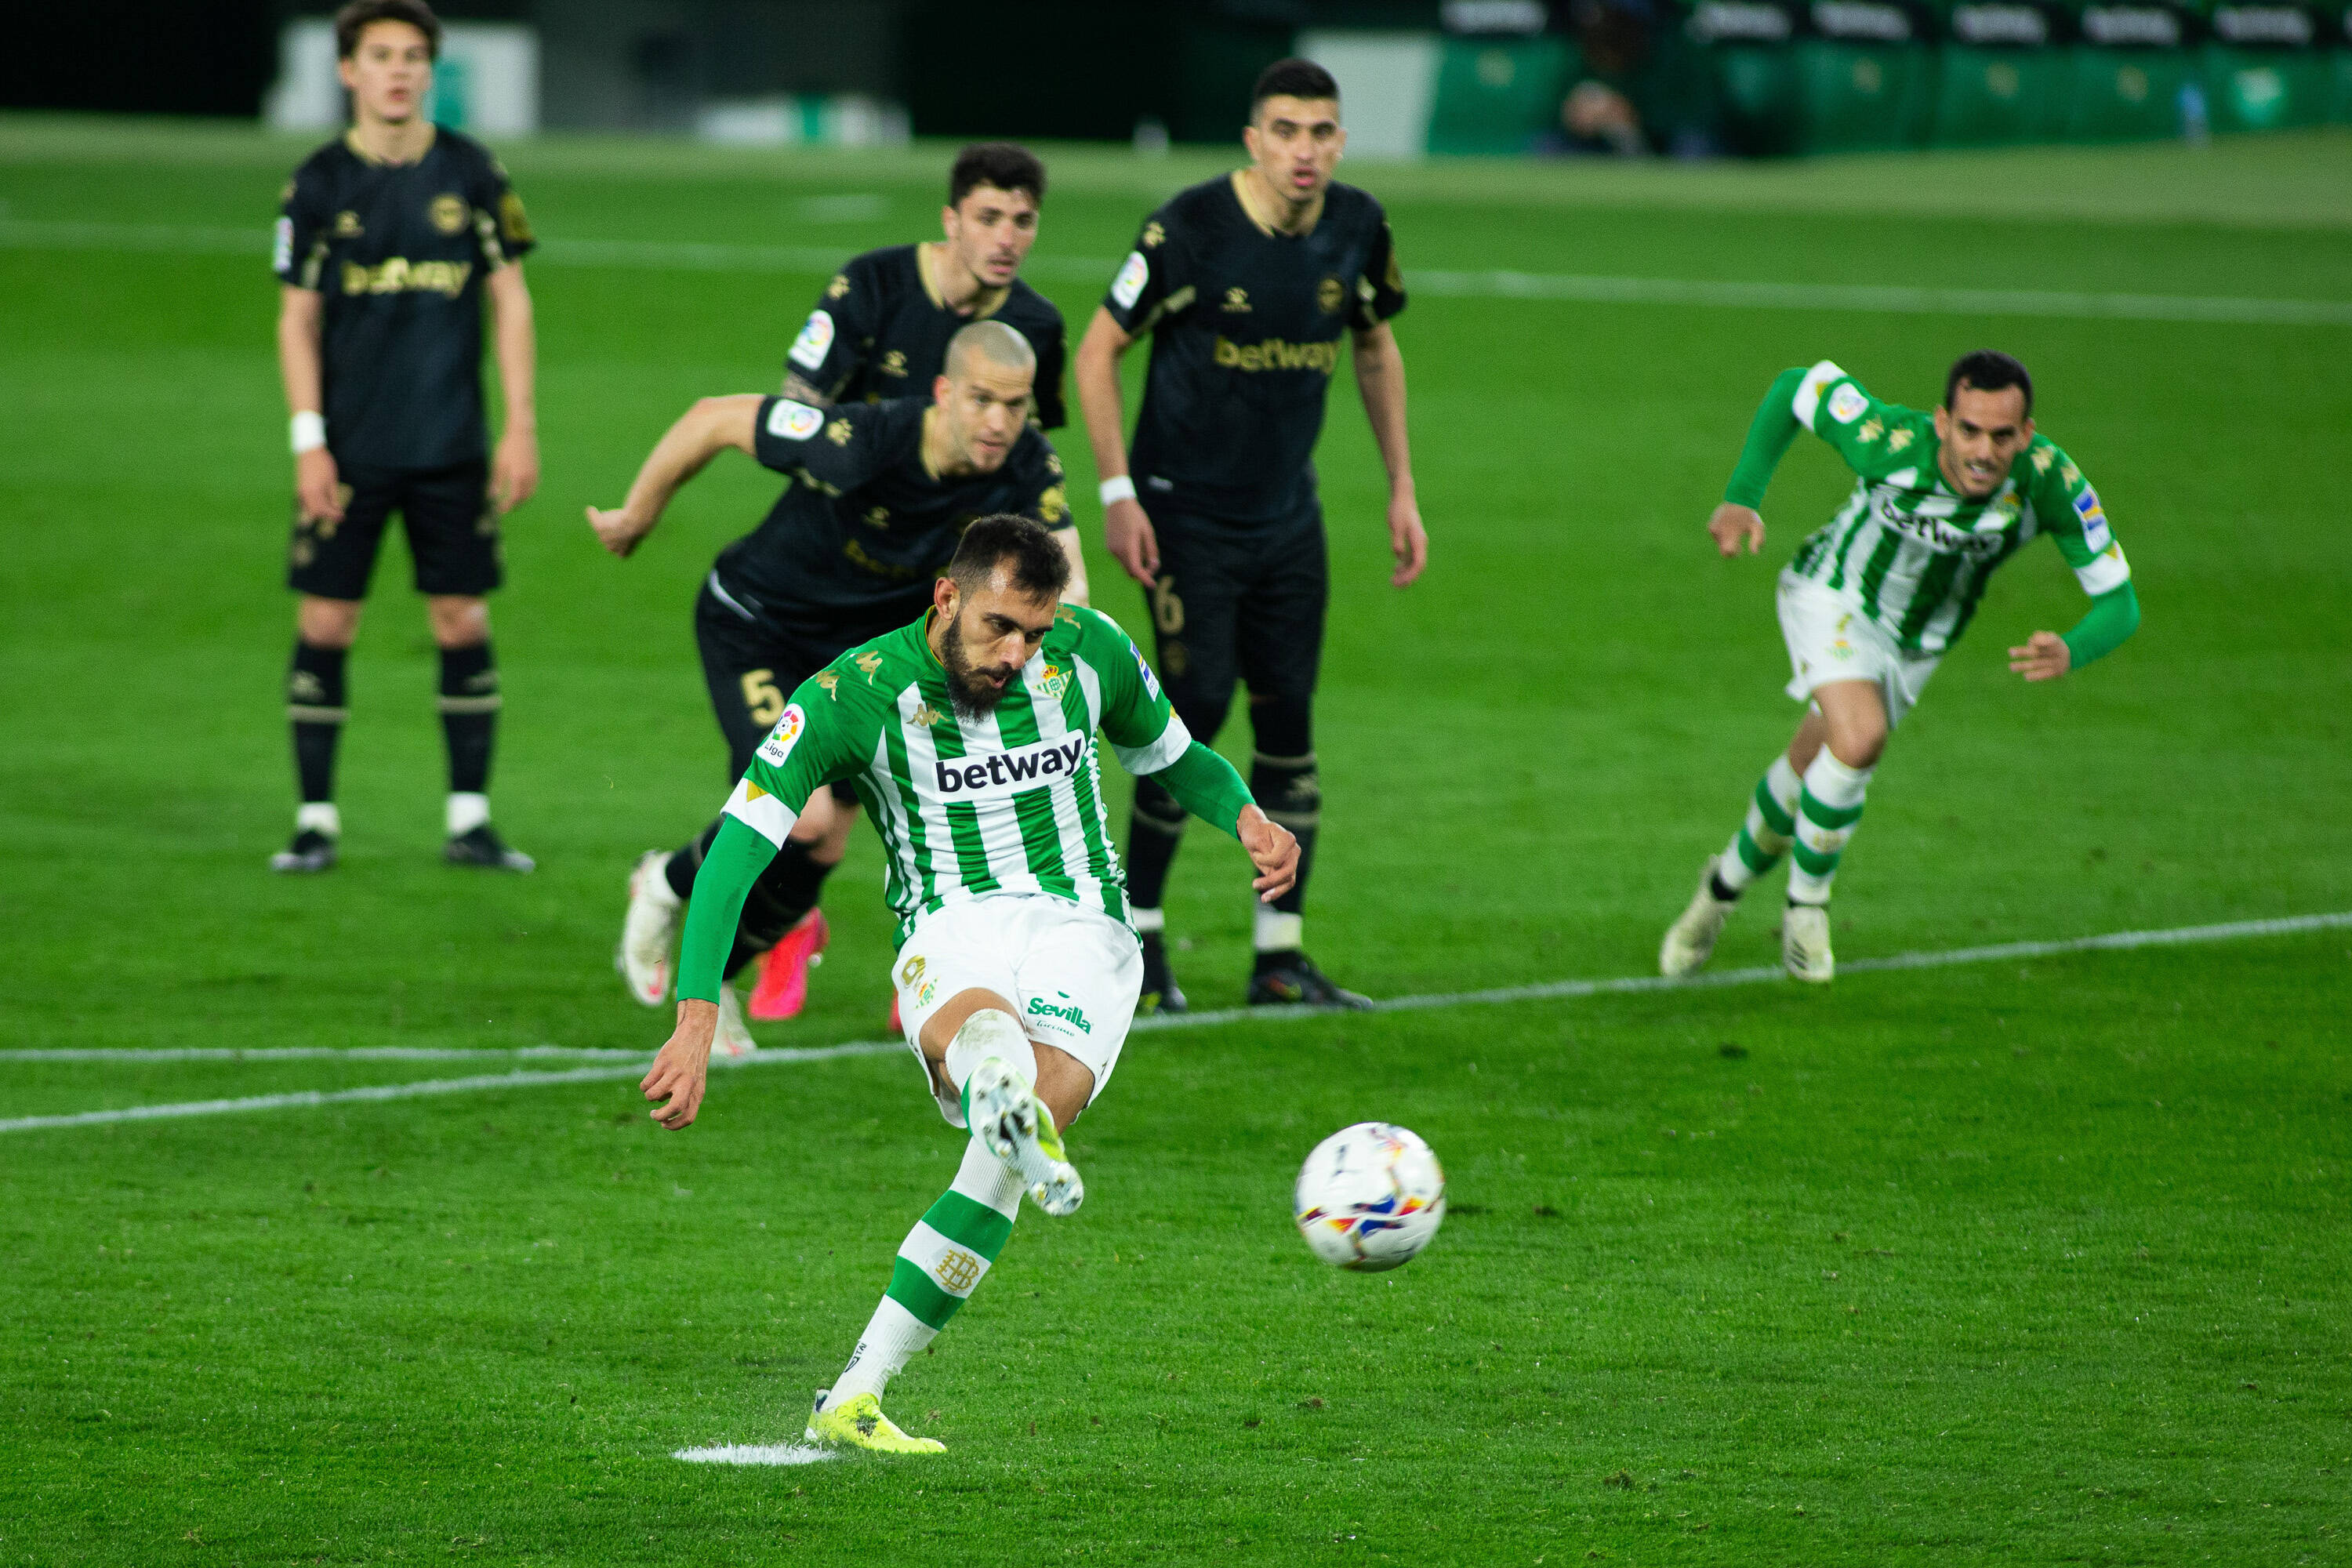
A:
<point x="398" y="275"/>
<point x="1275" y="354"/>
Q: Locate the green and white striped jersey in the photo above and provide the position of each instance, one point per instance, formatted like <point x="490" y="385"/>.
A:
<point x="1010" y="801"/>
<point x="1909" y="552"/>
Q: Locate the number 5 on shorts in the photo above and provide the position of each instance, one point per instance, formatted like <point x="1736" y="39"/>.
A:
<point x="761" y="698"/>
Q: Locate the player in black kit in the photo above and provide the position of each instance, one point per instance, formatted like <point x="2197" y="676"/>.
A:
<point x="880" y="495"/>
<point x="1247" y="285"/>
<point x="880" y="330"/>
<point x="390" y="236"/>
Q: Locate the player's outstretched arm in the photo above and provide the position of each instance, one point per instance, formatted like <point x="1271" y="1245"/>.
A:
<point x="738" y="854"/>
<point x="1736" y="521"/>
<point x="706" y="429"/>
<point x="1126" y="532"/>
<point x="514" y="468"/>
<point x="1205" y="784"/>
<point x="316" y="482"/>
<point x="2113" y="616"/>
<point x="1379" y="380"/>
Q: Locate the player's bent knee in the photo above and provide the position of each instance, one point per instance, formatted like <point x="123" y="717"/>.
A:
<point x="327" y="623"/>
<point x="1065" y="1083"/>
<point x="941" y="1029"/>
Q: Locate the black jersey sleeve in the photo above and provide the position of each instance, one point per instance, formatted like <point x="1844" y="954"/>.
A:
<point x="1155" y="281"/>
<point x="1053" y="354"/>
<point x="298" y="246"/>
<point x="838" y="449"/>
<point x="1380" y="292"/>
<point x="839" y="332"/>
<point x="502" y="228"/>
<point x="1045" y="493"/>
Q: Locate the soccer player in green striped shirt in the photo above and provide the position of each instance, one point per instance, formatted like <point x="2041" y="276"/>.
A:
<point x="1873" y="600"/>
<point x="969" y="738"/>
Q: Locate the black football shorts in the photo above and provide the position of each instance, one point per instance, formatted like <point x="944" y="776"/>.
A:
<point x="1239" y="601"/>
<point x="753" y="667"/>
<point x="452" y="527"/>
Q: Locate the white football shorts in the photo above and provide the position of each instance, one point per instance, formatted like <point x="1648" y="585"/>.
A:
<point x="1829" y="638"/>
<point x="1072" y="974"/>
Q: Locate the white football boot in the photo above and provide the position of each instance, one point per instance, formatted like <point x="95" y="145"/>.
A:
<point x="1014" y="1124"/>
<point x="1691" y="938"/>
<point x="649" y="934"/>
<point x="733" y="1041"/>
<point x="1805" y="944"/>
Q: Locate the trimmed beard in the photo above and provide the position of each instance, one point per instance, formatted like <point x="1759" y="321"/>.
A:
<point x="971" y="697"/>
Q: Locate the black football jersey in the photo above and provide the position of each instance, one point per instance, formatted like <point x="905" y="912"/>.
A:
<point x="1245" y="326"/>
<point x="881" y="331"/>
<point x="399" y="251"/>
<point x="857" y="539"/>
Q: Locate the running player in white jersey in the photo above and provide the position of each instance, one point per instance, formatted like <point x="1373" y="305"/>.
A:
<point x="969" y="738"/>
<point x="1873" y="601"/>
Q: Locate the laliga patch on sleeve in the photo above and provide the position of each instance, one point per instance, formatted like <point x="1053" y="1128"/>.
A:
<point x="1151" y="681"/>
<point x="2096" y="532"/>
<point x="1128" y="287"/>
<point x="780" y="740"/>
<point x="790" y="421"/>
<point x="281" y="246"/>
<point x="808" y="349"/>
<point x="1847" y="404"/>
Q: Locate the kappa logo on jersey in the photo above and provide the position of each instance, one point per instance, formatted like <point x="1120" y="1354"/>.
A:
<point x="780" y="740"/>
<point x="1848" y="404"/>
<point x="1128" y="287"/>
<point x="790" y="421"/>
<point x="2094" y="520"/>
<point x="808" y="349"/>
<point x="1151" y="681"/>
<point x="1004" y="773"/>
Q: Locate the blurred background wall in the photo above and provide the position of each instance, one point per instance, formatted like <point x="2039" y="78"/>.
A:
<point x="1607" y="78"/>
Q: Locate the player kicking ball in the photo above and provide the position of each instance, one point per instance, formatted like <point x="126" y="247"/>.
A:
<point x="969" y="738"/>
<point x="1872" y="602"/>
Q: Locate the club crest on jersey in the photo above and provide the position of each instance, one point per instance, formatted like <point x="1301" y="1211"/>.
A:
<point x="2094" y="520"/>
<point x="809" y="349"/>
<point x="1329" y="295"/>
<point x="1848" y="404"/>
<point x="1128" y="287"/>
<point x="1053" y="680"/>
<point x="790" y="421"/>
<point x="780" y="740"/>
<point x="448" y="213"/>
<point x="1039" y="763"/>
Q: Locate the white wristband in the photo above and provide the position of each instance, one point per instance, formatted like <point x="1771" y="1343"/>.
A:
<point x="307" y="432"/>
<point x="1120" y="489"/>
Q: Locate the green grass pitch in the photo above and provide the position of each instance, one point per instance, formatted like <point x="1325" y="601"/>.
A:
<point x="2037" y="1261"/>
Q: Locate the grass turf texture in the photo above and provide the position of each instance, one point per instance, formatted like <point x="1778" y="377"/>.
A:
<point x="358" y="1332"/>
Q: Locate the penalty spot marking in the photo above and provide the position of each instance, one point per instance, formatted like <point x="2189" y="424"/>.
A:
<point x="1558" y="990"/>
<point x="757" y="1454"/>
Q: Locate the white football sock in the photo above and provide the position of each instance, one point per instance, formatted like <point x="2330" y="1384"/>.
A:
<point x="1826" y="815"/>
<point x="1145" y="921"/>
<point x="466" y="811"/>
<point x="320" y="816"/>
<point x="990" y="1033"/>
<point x="1273" y="931"/>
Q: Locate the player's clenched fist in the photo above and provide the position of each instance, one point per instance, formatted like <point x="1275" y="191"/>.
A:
<point x="616" y="530"/>
<point x="683" y="1067"/>
<point x="1273" y="849"/>
<point x="1734" y="524"/>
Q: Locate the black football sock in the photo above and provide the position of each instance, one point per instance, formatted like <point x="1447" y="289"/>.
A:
<point x="785" y="892"/>
<point x="469" y="715"/>
<point x="315" y="705"/>
<point x="1154" y="830"/>
<point x="685" y="862"/>
<point x="1287" y="789"/>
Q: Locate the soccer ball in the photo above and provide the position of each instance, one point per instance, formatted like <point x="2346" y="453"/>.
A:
<point x="1369" y="1197"/>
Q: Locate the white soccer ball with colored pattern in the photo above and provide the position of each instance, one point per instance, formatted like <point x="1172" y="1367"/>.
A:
<point x="1369" y="1196"/>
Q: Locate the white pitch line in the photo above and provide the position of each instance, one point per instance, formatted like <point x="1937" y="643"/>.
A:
<point x="689" y="255"/>
<point x="1558" y="990"/>
<point x="324" y="1053"/>
<point x="758" y="1454"/>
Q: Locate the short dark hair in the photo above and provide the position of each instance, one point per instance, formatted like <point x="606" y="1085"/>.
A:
<point x="1293" y="78"/>
<point x="355" y="18"/>
<point x="1004" y="164"/>
<point x="1989" y="370"/>
<point x="1039" y="567"/>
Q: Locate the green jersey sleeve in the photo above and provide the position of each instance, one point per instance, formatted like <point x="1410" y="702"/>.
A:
<point x="2068" y="507"/>
<point x="1874" y="438"/>
<point x="1143" y="727"/>
<point x="817" y="741"/>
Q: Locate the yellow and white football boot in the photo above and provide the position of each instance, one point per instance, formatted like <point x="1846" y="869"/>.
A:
<point x="1012" y="1124"/>
<point x="857" y="1422"/>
